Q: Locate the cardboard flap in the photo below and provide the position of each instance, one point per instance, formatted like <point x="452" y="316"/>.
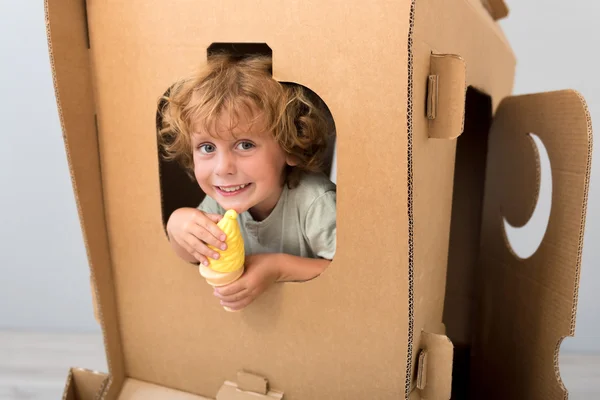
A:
<point x="497" y="8"/>
<point x="68" y="44"/>
<point x="434" y="369"/>
<point x="248" y="386"/>
<point x="253" y="383"/>
<point x="446" y="91"/>
<point x="84" y="384"/>
<point x="528" y="300"/>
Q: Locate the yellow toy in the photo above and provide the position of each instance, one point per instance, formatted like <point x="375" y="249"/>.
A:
<point x="230" y="265"/>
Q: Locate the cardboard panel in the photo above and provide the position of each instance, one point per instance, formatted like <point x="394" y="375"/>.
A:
<point x="489" y="67"/>
<point x="175" y="333"/>
<point x="68" y="45"/>
<point x="528" y="306"/>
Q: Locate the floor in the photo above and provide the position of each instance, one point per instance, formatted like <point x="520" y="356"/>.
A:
<point x="33" y="366"/>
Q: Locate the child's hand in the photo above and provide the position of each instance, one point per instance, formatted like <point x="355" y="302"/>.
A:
<point x="262" y="270"/>
<point x="191" y="230"/>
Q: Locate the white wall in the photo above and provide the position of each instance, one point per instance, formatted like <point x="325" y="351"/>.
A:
<point x="43" y="266"/>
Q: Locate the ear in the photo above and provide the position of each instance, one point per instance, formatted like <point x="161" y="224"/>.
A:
<point x="291" y="160"/>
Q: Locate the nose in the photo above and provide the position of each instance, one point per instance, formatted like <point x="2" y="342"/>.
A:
<point x="225" y="164"/>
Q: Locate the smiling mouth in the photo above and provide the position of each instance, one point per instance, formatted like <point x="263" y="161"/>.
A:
<point x="230" y="190"/>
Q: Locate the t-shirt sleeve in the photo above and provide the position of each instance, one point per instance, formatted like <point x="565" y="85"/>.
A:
<point x="210" y="206"/>
<point x="320" y="225"/>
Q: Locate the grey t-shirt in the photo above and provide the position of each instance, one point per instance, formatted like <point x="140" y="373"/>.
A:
<point x="303" y="222"/>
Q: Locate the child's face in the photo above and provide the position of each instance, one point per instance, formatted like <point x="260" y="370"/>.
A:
<point x="246" y="173"/>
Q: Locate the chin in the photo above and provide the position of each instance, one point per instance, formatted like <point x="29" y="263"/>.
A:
<point x="239" y="208"/>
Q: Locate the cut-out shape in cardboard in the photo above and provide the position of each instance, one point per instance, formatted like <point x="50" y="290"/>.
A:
<point x="525" y="240"/>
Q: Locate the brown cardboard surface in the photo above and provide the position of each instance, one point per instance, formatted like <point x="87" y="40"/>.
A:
<point x="436" y="379"/>
<point x="251" y="382"/>
<point x="489" y="66"/>
<point x="134" y="389"/>
<point x="528" y="305"/>
<point x="448" y="96"/>
<point x="84" y="384"/>
<point x="169" y="323"/>
<point x="496" y="8"/>
<point x="66" y="30"/>
<point x="232" y="391"/>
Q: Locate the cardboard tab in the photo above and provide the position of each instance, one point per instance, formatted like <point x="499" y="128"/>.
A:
<point x="434" y="372"/>
<point x="252" y="383"/>
<point x="496" y="8"/>
<point x="446" y="96"/>
<point x="232" y="391"/>
<point x="528" y="303"/>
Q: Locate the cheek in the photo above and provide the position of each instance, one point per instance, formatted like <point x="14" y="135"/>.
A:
<point x="202" y="170"/>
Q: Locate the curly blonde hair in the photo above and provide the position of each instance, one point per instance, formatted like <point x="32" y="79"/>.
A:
<point x="240" y="85"/>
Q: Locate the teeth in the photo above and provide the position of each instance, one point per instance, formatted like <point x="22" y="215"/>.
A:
<point x="232" y="188"/>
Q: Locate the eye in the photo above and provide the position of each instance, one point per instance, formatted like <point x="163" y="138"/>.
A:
<point x="206" y="148"/>
<point x="245" y="145"/>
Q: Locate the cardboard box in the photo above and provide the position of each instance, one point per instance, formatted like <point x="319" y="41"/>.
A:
<point x="434" y="156"/>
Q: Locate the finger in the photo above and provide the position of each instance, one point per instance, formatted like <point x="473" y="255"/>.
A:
<point x="213" y="228"/>
<point x="238" y="305"/>
<point x="203" y="235"/>
<point x="233" y="297"/>
<point x="201" y="258"/>
<point x="200" y="248"/>
<point x="214" y="217"/>
<point x="232" y="288"/>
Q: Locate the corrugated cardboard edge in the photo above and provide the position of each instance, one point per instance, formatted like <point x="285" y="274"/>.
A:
<point x="85" y="384"/>
<point x="411" y="238"/>
<point x="588" y="171"/>
<point x="107" y="384"/>
<point x="69" y="390"/>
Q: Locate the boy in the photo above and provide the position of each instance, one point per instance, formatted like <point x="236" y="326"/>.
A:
<point x="257" y="147"/>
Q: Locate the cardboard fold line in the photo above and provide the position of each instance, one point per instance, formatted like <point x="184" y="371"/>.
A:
<point x="432" y="96"/>
<point x="422" y="370"/>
